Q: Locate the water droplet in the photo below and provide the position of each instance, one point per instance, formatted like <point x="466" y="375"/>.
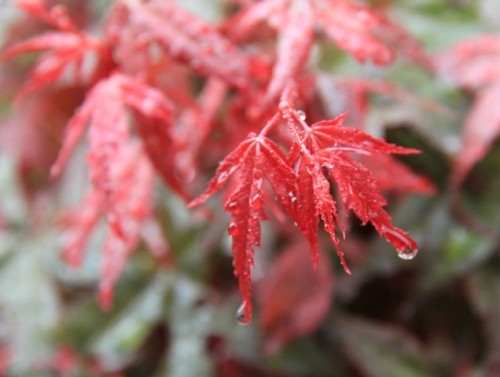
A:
<point x="256" y="202"/>
<point x="232" y="229"/>
<point x="148" y="105"/>
<point x="240" y="315"/>
<point x="231" y="205"/>
<point x="222" y="177"/>
<point x="407" y="253"/>
<point x="301" y="114"/>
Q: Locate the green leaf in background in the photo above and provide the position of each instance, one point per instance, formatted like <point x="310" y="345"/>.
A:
<point x="121" y="339"/>
<point x="484" y="293"/>
<point x="189" y="320"/>
<point x="29" y="305"/>
<point x="381" y="350"/>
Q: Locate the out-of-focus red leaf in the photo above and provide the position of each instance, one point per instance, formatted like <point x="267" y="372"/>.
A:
<point x="79" y="224"/>
<point x="191" y="40"/>
<point x="356" y="28"/>
<point x="243" y="25"/>
<point x="32" y="131"/>
<point x="153" y="117"/>
<point x="64" y="49"/>
<point x="195" y="125"/>
<point x="122" y="175"/>
<point x="64" y="362"/>
<point x="56" y="16"/>
<point x="481" y="128"/>
<point x="105" y="107"/>
<point x="351" y="95"/>
<point x="5" y="360"/>
<point x="393" y="175"/>
<point x="475" y="65"/>
<point x="351" y="27"/>
<point x="294" y="297"/>
<point x="367" y="34"/>
<point x="134" y="177"/>
<point x="128" y="211"/>
<point x="294" y="46"/>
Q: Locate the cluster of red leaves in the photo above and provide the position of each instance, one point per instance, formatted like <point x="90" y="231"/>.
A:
<point x="475" y="66"/>
<point x="141" y="115"/>
<point x="301" y="182"/>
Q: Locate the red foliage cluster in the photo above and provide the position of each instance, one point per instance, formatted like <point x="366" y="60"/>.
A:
<point x="318" y="153"/>
<point x="168" y="92"/>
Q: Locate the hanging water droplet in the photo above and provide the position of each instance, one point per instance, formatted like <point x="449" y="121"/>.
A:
<point x="240" y="315"/>
<point x="407" y="253"/>
<point x="301" y="114"/>
<point x="232" y="229"/>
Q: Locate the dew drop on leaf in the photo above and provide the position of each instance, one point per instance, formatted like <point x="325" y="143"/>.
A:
<point x="232" y="229"/>
<point x="231" y="205"/>
<point x="240" y="315"/>
<point x="256" y="202"/>
<point x="301" y="114"/>
<point x="407" y="253"/>
<point x="222" y="177"/>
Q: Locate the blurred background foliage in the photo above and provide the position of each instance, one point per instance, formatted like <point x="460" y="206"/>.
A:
<point x="436" y="315"/>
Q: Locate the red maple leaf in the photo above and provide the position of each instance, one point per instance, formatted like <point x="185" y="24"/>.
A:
<point x="302" y="185"/>
<point x="326" y="146"/>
